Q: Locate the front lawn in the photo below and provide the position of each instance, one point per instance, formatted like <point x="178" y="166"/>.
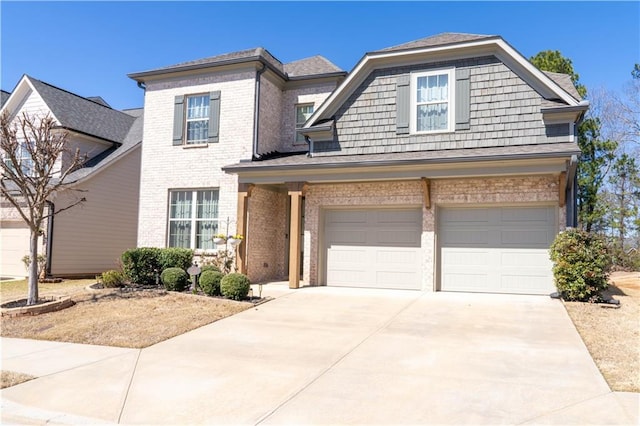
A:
<point x="130" y="319"/>
<point x="613" y="335"/>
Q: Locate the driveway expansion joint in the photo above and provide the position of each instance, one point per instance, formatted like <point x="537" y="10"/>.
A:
<point x="336" y="362"/>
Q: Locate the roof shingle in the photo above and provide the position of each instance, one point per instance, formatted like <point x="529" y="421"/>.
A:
<point x="311" y="66"/>
<point x="83" y="115"/>
<point x="436" y="40"/>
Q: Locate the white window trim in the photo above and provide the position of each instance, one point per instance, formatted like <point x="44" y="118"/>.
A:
<point x="451" y="116"/>
<point x="193" y="219"/>
<point x="187" y="120"/>
<point x="295" y="121"/>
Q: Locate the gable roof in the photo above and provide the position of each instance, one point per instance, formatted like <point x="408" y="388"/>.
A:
<point x="441" y="47"/>
<point x="3" y="97"/>
<point x="308" y="67"/>
<point x="83" y="115"/>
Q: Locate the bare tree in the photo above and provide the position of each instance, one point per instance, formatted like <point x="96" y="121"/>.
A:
<point x="32" y="147"/>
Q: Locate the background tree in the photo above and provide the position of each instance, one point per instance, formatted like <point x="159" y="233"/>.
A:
<point x="625" y="199"/>
<point x="597" y="153"/>
<point x="552" y="60"/>
<point x="30" y="147"/>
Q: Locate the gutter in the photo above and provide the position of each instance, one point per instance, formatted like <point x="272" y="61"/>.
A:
<point x="235" y="168"/>
<point x="47" y="268"/>
<point x="256" y="111"/>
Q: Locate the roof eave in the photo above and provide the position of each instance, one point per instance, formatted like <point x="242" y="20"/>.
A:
<point x="141" y="76"/>
<point x="239" y="168"/>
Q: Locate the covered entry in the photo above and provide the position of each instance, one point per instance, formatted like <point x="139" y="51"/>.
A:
<point x="377" y="248"/>
<point x="497" y="249"/>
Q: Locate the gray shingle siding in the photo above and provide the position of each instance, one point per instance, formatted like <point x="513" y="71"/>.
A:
<point x="504" y="111"/>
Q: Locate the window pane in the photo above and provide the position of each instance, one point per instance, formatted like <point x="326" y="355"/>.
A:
<point x="180" y="207"/>
<point x="303" y="112"/>
<point x="432" y="88"/>
<point x="205" y="231"/>
<point x="207" y="205"/>
<point x="421" y="89"/>
<point x="197" y="131"/>
<point x="432" y="117"/>
<point x="180" y="233"/>
<point x="198" y="106"/>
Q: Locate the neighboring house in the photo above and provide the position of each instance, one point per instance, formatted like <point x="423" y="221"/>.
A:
<point x="447" y="163"/>
<point x="88" y="238"/>
<point x="3" y="97"/>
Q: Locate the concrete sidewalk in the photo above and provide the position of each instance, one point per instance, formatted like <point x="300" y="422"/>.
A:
<point x="332" y="356"/>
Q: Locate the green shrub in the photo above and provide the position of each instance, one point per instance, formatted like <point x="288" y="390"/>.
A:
<point x="210" y="282"/>
<point x="210" y="268"/>
<point x="175" y="257"/>
<point x="581" y="265"/>
<point x="235" y="286"/>
<point x="174" y="279"/>
<point x="140" y="265"/>
<point x="112" y="279"/>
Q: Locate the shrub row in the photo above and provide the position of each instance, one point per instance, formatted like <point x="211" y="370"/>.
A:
<point x="140" y="265"/>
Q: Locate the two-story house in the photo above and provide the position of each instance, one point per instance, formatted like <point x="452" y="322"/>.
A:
<point x="205" y="114"/>
<point x="87" y="238"/>
<point x="446" y="163"/>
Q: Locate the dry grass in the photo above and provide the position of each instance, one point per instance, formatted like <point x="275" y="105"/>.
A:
<point x="613" y="335"/>
<point x="125" y="319"/>
<point x="10" y="378"/>
<point x="10" y="290"/>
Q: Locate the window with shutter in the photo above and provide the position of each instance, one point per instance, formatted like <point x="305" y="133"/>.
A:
<point x="196" y="119"/>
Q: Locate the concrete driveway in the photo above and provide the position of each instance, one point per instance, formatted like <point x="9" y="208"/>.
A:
<point x="333" y="356"/>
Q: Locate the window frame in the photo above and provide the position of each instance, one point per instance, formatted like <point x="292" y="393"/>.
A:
<point x="186" y="119"/>
<point x="451" y="96"/>
<point x="193" y="220"/>
<point x="298" y="126"/>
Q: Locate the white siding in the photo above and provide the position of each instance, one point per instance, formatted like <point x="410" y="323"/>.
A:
<point x="90" y="238"/>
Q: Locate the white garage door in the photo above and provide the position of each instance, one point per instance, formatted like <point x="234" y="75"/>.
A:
<point x="497" y="250"/>
<point x="374" y="248"/>
<point x="14" y="244"/>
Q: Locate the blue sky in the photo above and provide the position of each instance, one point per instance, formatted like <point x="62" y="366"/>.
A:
<point x="89" y="47"/>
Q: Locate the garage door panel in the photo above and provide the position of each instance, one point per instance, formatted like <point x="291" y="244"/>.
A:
<point x="514" y="257"/>
<point x="399" y="218"/>
<point x="351" y="237"/>
<point x="524" y="238"/>
<point x="463" y="217"/>
<point x="464" y="238"/>
<point x="526" y="215"/>
<point x="466" y="281"/>
<point x="452" y="257"/>
<point x="398" y="238"/>
<point x="345" y="218"/>
<point x="398" y="280"/>
<point x="374" y="248"/>
<point x="519" y="283"/>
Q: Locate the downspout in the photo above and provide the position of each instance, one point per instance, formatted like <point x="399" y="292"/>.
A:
<point x="256" y="113"/>
<point x="572" y="189"/>
<point x="142" y="86"/>
<point x="52" y="209"/>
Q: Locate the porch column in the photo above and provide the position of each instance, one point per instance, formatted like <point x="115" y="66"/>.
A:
<point x="244" y="192"/>
<point x="294" y="238"/>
